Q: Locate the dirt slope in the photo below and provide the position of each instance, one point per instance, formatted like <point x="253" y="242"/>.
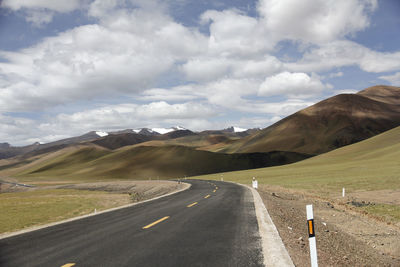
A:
<point x="337" y="121"/>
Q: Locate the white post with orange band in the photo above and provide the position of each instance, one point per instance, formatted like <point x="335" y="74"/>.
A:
<point x="311" y="236"/>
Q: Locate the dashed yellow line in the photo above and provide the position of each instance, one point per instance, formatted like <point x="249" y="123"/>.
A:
<point x="207" y="196"/>
<point x="191" y="205"/>
<point x="154" y="223"/>
<point x="214" y="191"/>
<point x="68" y="265"/>
<point x="216" y="188"/>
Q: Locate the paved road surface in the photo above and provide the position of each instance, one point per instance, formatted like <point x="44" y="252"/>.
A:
<point x="186" y="229"/>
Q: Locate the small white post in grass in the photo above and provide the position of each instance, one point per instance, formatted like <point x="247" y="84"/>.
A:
<point x="95" y="211"/>
<point x="255" y="183"/>
<point x="343" y="192"/>
<point x="311" y="236"/>
<point x="222" y="177"/>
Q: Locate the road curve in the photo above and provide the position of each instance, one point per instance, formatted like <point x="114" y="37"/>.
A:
<point x="211" y="224"/>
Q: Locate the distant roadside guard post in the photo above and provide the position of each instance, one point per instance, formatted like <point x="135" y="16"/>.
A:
<point x="255" y="183"/>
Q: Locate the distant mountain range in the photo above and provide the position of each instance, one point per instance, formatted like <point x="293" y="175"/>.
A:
<point x="170" y="152"/>
<point x="114" y="140"/>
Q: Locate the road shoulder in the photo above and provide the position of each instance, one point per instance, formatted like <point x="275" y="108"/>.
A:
<point x="344" y="237"/>
<point x="274" y="251"/>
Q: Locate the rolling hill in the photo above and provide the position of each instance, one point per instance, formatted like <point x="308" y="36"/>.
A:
<point x="332" y="123"/>
<point x="369" y="165"/>
<point x="142" y="162"/>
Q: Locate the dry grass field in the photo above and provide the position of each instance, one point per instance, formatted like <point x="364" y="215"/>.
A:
<point x="371" y="166"/>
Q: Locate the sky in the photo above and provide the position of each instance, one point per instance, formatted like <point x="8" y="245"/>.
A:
<point x="68" y="67"/>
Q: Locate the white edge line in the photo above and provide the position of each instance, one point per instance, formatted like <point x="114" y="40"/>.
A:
<point x="274" y="251"/>
<point x="35" y="228"/>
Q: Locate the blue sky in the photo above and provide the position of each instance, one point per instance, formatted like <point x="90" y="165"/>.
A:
<point x="69" y="67"/>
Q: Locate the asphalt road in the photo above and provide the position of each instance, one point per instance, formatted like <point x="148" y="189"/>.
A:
<point x="185" y="229"/>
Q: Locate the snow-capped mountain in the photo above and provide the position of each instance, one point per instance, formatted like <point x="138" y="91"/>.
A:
<point x="168" y="130"/>
<point x="238" y="130"/>
<point x="101" y="134"/>
<point x="152" y="131"/>
<point x="234" y="129"/>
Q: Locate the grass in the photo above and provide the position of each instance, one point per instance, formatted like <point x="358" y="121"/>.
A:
<point x="390" y="213"/>
<point x="373" y="164"/>
<point x="24" y="209"/>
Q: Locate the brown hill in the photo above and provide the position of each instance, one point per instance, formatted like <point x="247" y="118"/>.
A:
<point x="337" y="121"/>
<point x="115" y="141"/>
<point x="141" y="162"/>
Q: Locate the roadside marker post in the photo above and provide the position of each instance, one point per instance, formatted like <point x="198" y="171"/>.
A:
<point x="255" y="183"/>
<point x="343" y="192"/>
<point x="311" y="236"/>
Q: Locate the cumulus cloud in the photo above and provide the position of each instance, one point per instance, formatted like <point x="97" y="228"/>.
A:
<point x="22" y="131"/>
<point x="93" y="61"/>
<point x="59" y="6"/>
<point x="40" y="12"/>
<point x="203" y="69"/>
<point x="393" y="79"/>
<point x="315" y="21"/>
<point x="291" y="84"/>
<point x="235" y="34"/>
<point x="180" y="74"/>
<point x="345" y="53"/>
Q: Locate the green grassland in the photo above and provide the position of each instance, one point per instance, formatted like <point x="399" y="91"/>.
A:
<point x="25" y="209"/>
<point x="373" y="164"/>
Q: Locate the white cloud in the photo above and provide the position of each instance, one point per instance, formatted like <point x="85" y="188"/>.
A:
<point x="91" y="61"/>
<point x="315" y="21"/>
<point x="22" y="131"/>
<point x="184" y="77"/>
<point x="178" y="93"/>
<point x="235" y="34"/>
<point x="344" y="91"/>
<point x="393" y="79"/>
<point x="250" y="122"/>
<point x="291" y="84"/>
<point x="205" y="69"/>
<point x="345" y="53"/>
<point x="336" y="74"/>
<point x="277" y="109"/>
<point x="40" y="12"/>
<point x="228" y="92"/>
<point x="59" y="6"/>
<point x="39" y="17"/>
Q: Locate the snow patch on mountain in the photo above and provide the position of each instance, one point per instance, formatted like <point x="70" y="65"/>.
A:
<point x="179" y="128"/>
<point x="168" y="130"/>
<point x="101" y="134"/>
<point x="163" y="130"/>
<point x="238" y="130"/>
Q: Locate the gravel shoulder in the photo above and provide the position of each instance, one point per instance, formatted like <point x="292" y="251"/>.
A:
<point x="345" y="236"/>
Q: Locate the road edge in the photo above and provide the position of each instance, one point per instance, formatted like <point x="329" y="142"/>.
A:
<point x="35" y="228"/>
<point x="274" y="251"/>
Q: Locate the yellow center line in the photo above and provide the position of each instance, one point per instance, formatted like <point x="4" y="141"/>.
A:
<point x="214" y="191"/>
<point x="154" y="223"/>
<point x="207" y="196"/>
<point x="68" y="265"/>
<point x="191" y="205"/>
<point x="216" y="188"/>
